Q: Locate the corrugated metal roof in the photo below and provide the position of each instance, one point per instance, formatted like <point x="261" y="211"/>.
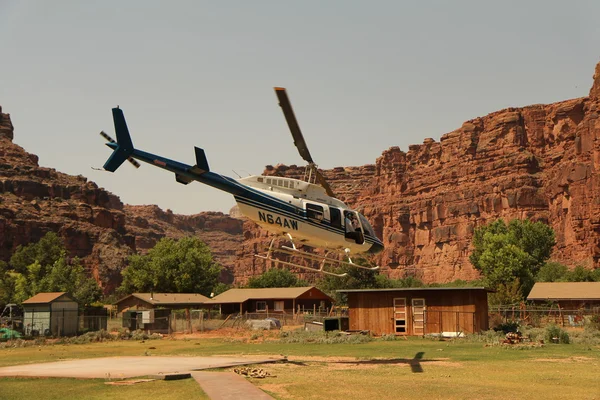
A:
<point x="565" y="291"/>
<point x="411" y="289"/>
<point x="158" y="299"/>
<point x="242" y="295"/>
<point x="43" y="298"/>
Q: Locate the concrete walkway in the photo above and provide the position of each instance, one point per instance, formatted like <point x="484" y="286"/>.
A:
<point x="128" y="367"/>
<point x="228" y="386"/>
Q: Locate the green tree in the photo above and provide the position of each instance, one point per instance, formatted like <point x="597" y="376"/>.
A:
<point x="552" y="272"/>
<point x="355" y="278"/>
<point x="582" y="274"/>
<point x="45" y="267"/>
<point x="221" y="288"/>
<point x="7" y="284"/>
<point x="46" y="251"/>
<point x="504" y="253"/>
<point x="276" y="277"/>
<point x="172" y="266"/>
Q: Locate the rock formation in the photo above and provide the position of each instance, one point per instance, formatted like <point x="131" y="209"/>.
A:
<point x="539" y="162"/>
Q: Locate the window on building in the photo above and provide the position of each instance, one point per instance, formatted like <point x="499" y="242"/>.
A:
<point x="261" y="306"/>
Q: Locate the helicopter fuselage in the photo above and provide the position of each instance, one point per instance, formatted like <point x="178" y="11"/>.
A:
<point x="306" y="212"/>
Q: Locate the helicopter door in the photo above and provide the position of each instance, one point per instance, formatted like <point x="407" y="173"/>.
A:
<point x="354" y="231"/>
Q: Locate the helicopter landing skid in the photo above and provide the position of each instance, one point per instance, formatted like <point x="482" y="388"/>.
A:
<point x="323" y="260"/>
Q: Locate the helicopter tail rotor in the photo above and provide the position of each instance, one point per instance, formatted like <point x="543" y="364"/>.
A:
<point x="123" y="147"/>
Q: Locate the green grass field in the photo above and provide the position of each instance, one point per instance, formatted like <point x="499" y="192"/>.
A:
<point x="456" y="369"/>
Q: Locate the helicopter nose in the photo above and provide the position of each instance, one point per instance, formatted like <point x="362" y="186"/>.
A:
<point x="376" y="247"/>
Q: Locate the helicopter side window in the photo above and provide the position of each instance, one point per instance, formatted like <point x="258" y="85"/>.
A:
<point x="336" y="217"/>
<point x="314" y="211"/>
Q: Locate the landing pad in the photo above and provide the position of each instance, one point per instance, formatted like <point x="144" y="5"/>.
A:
<point x="128" y="367"/>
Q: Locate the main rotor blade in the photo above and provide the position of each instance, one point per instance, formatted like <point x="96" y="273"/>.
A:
<point x="324" y="183"/>
<point x="288" y="112"/>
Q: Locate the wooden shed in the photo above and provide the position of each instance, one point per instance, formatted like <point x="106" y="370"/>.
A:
<point x="149" y="301"/>
<point x="568" y="295"/>
<point x="53" y="313"/>
<point x="273" y="300"/>
<point x="418" y="311"/>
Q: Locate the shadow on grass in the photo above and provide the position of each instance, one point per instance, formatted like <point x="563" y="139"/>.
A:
<point x="414" y="363"/>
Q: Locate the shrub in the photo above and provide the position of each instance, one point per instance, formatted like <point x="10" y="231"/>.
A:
<point x="491" y="336"/>
<point x="322" y="337"/>
<point x="507" y="327"/>
<point x="594" y="321"/>
<point x="589" y="337"/>
<point x="555" y="334"/>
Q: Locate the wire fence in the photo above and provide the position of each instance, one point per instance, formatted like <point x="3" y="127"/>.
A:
<point x="541" y="316"/>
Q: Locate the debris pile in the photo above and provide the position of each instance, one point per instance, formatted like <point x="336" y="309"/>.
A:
<point x="253" y="372"/>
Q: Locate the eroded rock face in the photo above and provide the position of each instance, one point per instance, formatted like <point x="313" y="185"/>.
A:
<point x="93" y="223"/>
<point x="539" y="162"/>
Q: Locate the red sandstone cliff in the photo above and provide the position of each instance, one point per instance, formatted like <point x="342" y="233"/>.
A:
<point x="539" y="162"/>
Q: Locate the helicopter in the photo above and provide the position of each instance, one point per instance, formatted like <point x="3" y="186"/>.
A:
<point x="301" y="210"/>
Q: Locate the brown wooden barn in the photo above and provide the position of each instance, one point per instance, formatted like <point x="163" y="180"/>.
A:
<point x="273" y="301"/>
<point x="418" y="311"/>
<point x="568" y="295"/>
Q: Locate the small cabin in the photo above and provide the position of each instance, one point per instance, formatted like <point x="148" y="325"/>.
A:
<point x="567" y="295"/>
<point x="418" y="311"/>
<point x="148" y="301"/>
<point x="290" y="301"/>
<point x="53" y="313"/>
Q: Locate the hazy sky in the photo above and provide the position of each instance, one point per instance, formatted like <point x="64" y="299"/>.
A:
<point x="362" y="76"/>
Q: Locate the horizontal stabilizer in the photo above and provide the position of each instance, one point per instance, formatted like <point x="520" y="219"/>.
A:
<point x="117" y="158"/>
<point x="201" y="161"/>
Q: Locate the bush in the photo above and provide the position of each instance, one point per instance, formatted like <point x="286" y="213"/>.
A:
<point x="322" y="337"/>
<point x="142" y="335"/>
<point x="589" y="337"/>
<point x="89" y="337"/>
<point x="507" y="327"/>
<point x="554" y="334"/>
<point x="594" y="322"/>
<point x="491" y="336"/>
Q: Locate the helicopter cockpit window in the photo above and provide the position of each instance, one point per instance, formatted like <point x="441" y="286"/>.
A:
<point x="366" y="225"/>
<point x="314" y="211"/>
